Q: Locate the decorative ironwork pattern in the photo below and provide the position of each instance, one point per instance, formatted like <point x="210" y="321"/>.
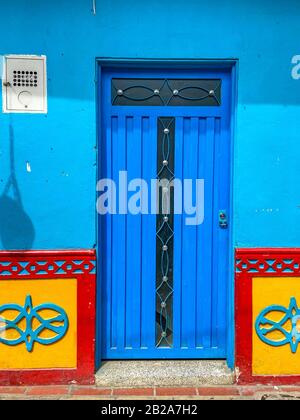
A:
<point x="288" y="327"/>
<point x="29" y="336"/>
<point x="166" y="92"/>
<point x="273" y="262"/>
<point x="165" y="232"/>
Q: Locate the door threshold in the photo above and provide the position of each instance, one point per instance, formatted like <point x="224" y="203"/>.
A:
<point x="164" y="373"/>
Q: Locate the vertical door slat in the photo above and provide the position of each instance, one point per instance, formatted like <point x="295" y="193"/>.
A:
<point x="106" y="236"/>
<point x="179" y="159"/>
<point x="222" y="170"/>
<point x="148" y="295"/>
<point x="189" y="260"/>
<point x="119" y="239"/>
<point x="205" y="237"/>
<point x="216" y="236"/>
<point x="133" y="264"/>
<point x="110" y="219"/>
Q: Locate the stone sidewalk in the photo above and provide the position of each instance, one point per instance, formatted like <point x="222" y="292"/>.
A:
<point x="200" y="393"/>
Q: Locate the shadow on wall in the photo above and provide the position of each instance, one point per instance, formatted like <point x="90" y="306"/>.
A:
<point x="16" y="229"/>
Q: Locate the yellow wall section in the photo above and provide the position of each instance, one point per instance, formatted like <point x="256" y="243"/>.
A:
<point x="269" y="360"/>
<point x="62" y="354"/>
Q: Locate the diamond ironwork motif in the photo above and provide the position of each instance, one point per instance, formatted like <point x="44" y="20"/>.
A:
<point x="165" y="233"/>
<point x="166" y="92"/>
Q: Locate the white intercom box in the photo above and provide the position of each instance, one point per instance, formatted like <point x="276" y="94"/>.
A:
<point x="24" y="84"/>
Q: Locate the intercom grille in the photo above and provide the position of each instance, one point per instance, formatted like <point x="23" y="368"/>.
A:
<point x="25" y="78"/>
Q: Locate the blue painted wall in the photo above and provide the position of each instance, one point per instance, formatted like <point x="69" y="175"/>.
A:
<point x="53" y="205"/>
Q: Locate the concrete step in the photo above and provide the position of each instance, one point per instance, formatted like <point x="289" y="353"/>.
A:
<point x="189" y="373"/>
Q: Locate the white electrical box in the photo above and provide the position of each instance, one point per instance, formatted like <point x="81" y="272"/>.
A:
<point x="25" y="84"/>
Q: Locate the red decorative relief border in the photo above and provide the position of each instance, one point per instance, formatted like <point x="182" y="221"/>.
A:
<point x="40" y="265"/>
<point x="252" y="263"/>
<point x="35" y="264"/>
<point x="268" y="261"/>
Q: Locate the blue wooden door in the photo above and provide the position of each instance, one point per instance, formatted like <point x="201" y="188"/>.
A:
<point x="164" y="283"/>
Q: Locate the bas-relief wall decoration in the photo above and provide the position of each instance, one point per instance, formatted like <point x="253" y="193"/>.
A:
<point x="36" y="323"/>
<point x="47" y="306"/>
<point x="279" y="326"/>
<point x="267" y="315"/>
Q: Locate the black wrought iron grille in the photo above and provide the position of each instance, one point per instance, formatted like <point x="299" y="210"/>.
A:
<point x="166" y="92"/>
<point x="165" y="233"/>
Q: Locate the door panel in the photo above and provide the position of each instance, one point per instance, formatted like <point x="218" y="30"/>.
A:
<point x="127" y="289"/>
<point x="202" y="301"/>
<point x="130" y="315"/>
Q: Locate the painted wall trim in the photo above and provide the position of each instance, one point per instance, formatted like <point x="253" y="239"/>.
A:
<point x="230" y="63"/>
<point x="52" y="265"/>
<point x="251" y="263"/>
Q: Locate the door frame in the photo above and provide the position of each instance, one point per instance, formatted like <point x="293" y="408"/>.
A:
<point x="123" y="63"/>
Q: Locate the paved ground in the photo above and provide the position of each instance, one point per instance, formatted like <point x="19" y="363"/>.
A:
<point x="200" y="393"/>
<point x="164" y="373"/>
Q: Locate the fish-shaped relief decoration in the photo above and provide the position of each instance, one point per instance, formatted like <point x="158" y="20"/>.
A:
<point x="286" y="327"/>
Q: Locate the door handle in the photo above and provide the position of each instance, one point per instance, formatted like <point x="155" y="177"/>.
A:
<point x="223" y="219"/>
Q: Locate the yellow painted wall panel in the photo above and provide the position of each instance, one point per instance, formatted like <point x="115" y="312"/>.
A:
<point x="270" y="360"/>
<point x="63" y="353"/>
